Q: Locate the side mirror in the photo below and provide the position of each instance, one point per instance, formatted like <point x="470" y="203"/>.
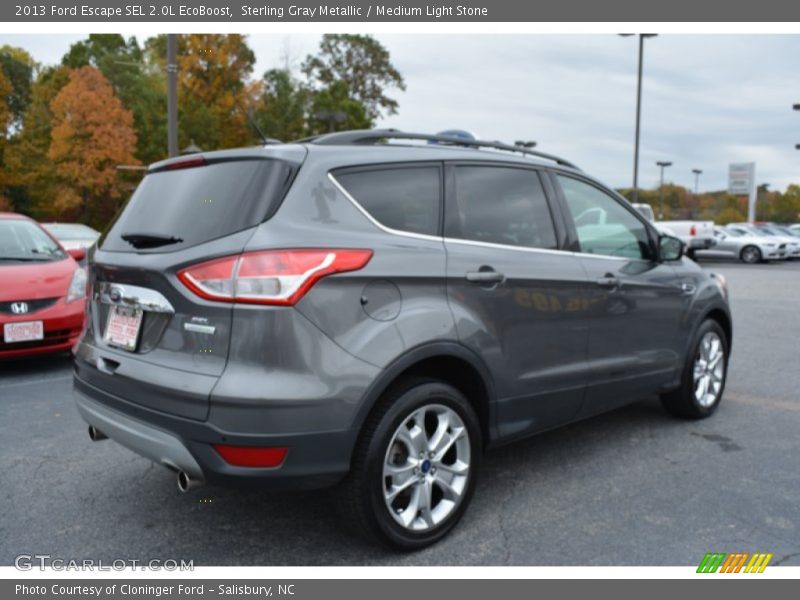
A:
<point x="77" y="253"/>
<point x="669" y="248"/>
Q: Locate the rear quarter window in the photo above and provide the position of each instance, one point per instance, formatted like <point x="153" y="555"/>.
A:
<point x="405" y="198"/>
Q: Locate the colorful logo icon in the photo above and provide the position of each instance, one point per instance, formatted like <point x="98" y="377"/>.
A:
<point x="735" y="562"/>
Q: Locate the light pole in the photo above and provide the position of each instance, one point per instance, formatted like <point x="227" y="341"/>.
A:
<point x="642" y="36"/>
<point x="663" y="165"/>
<point x="697" y="173"/>
<point x="172" y="94"/>
<point x="796" y="107"/>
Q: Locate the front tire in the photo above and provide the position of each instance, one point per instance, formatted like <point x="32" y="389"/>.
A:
<point x="750" y="255"/>
<point x="414" y="467"/>
<point x="704" y="375"/>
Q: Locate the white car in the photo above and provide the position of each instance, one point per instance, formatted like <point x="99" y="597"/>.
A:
<point x="73" y="235"/>
<point x="737" y="244"/>
<point x="741" y="245"/>
<point x="697" y="235"/>
<point x="792" y="243"/>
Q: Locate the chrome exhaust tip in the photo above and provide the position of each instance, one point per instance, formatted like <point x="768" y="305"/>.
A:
<point x="186" y="482"/>
<point x="96" y="435"/>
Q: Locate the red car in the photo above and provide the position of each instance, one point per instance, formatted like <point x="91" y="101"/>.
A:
<point x="42" y="290"/>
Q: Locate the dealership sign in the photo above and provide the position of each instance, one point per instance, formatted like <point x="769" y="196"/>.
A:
<point x="742" y="182"/>
<point x="741" y="178"/>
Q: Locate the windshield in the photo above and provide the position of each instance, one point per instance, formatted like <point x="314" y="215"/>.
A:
<point x="76" y="231"/>
<point x="22" y="240"/>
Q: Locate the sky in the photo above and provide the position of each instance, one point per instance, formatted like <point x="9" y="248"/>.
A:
<point x="707" y="100"/>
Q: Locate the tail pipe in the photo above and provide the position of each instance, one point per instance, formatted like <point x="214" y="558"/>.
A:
<point x="96" y="435"/>
<point x="187" y="482"/>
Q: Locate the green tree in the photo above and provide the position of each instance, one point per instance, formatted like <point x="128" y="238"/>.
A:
<point x="31" y="173"/>
<point x="284" y="106"/>
<point x="362" y="64"/>
<point x="334" y="100"/>
<point x="18" y="68"/>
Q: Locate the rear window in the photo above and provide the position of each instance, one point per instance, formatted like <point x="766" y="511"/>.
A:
<point x="199" y="204"/>
<point x="402" y="198"/>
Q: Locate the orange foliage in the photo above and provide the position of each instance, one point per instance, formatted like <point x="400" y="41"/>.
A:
<point x="92" y="134"/>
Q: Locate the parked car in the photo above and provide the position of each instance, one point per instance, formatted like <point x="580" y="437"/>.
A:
<point x="73" y="235"/>
<point x="353" y="310"/>
<point x="774" y="231"/>
<point x="785" y="242"/>
<point x="647" y="212"/>
<point x="697" y="235"/>
<point x="42" y="290"/>
<point x="740" y="245"/>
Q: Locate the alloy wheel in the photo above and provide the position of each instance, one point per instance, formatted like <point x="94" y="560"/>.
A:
<point x="426" y="468"/>
<point x="709" y="369"/>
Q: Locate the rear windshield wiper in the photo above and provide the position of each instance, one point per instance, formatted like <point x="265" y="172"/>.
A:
<point x="148" y="240"/>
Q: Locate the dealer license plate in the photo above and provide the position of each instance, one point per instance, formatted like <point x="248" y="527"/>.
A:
<point x="122" y="327"/>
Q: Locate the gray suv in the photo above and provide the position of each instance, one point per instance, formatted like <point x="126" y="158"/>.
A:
<point x="374" y="309"/>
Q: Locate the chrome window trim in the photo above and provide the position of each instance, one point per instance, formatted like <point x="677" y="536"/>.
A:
<point x="363" y="211"/>
<point x="435" y="238"/>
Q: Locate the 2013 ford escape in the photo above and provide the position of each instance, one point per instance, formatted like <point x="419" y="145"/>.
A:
<point x="367" y="310"/>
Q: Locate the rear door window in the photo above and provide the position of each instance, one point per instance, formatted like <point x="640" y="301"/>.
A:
<point x="405" y="198"/>
<point x="201" y="203"/>
<point x="500" y="205"/>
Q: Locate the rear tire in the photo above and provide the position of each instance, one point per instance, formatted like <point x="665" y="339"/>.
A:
<point x="750" y="255"/>
<point x="414" y="467"/>
<point x="704" y="375"/>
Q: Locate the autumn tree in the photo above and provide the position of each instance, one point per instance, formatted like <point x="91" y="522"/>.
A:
<point x="363" y="64"/>
<point x="92" y="133"/>
<point x="215" y="91"/>
<point x="140" y="85"/>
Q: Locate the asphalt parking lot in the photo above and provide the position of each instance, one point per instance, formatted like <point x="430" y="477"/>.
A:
<point x="634" y="487"/>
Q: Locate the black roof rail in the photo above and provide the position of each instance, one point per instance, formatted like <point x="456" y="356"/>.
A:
<point x="374" y="136"/>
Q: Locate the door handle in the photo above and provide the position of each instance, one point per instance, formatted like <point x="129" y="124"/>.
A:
<point x="485" y="277"/>
<point x="688" y="288"/>
<point x="608" y="281"/>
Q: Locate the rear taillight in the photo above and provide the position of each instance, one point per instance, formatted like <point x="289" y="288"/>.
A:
<point x="279" y="277"/>
<point x="693" y="230"/>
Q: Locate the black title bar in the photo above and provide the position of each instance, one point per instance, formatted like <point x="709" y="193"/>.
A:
<point x="244" y="11"/>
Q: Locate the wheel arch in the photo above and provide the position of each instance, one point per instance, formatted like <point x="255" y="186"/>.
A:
<point x="723" y="318"/>
<point x="449" y="362"/>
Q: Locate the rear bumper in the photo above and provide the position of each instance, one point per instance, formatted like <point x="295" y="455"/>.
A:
<point x="314" y="460"/>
